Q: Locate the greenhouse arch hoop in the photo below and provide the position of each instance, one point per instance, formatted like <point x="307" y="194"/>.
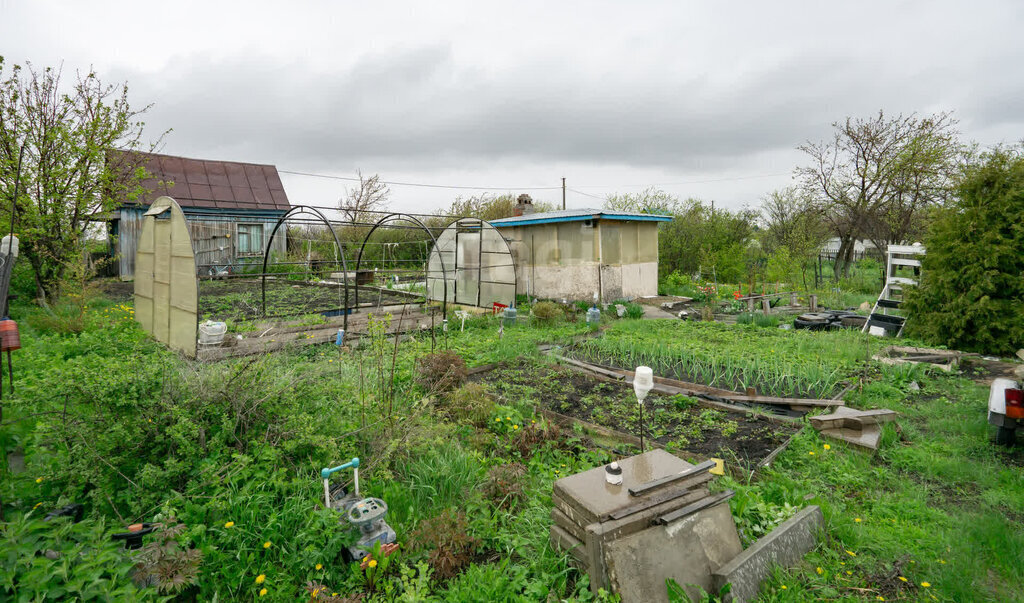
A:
<point x="340" y="257"/>
<point x="426" y="267"/>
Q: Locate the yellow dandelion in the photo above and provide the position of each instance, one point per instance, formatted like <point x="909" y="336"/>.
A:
<point x="266" y="544"/>
<point x="857" y="519"/>
<point x="849" y="573"/>
<point x="783" y="587"/>
<point x="372" y="563"/>
<point x="827" y="447"/>
<point x="39" y="480"/>
<point x="811" y="453"/>
<point x="942" y="561"/>
<point x="508" y="418"/>
<point x="926" y="584"/>
<point x="902" y="579"/>
<point x="263" y="592"/>
<point x="880" y="598"/>
<point x="515" y="427"/>
<point x="261" y="579"/>
<point x="229" y="524"/>
<point x="319" y="567"/>
<point x="851" y="553"/>
<point x="498" y="419"/>
<point x="819" y="570"/>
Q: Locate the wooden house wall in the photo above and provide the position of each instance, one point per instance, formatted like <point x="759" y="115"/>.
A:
<point x="214" y="239"/>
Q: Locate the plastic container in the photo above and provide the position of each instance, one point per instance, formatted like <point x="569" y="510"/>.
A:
<point x="212" y="333"/>
<point x="593" y="317"/>
<point x="510" y="317"/>
<point x="9" y="245"/>
<point x="9" y="332"/>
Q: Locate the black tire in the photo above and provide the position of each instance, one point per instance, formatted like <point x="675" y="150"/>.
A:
<point x="1006" y="436"/>
<point x="812" y="321"/>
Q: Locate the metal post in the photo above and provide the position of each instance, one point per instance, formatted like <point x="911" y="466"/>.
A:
<point x="563" y="193"/>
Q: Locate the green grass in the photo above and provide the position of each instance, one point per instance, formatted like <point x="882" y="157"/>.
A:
<point x="109" y="418"/>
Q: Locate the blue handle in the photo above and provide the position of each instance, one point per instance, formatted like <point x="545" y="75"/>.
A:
<point x="326" y="473"/>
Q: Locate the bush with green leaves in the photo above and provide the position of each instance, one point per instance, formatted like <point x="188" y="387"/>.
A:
<point x="547" y="311"/>
<point x="971" y="293"/>
<point x="64" y="561"/>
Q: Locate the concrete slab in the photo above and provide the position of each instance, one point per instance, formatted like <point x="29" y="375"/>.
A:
<point x="784" y="546"/>
<point x="586" y="497"/>
<point x="689" y="551"/>
<point x="853" y="419"/>
<point x="865" y="439"/>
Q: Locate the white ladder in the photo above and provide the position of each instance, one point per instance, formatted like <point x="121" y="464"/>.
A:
<point x="899" y="260"/>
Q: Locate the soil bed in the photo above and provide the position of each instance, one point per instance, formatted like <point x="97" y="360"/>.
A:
<point x="678" y="423"/>
<point x="242" y="298"/>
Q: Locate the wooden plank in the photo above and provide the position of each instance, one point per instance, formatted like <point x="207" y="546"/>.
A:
<point x="670" y="479"/>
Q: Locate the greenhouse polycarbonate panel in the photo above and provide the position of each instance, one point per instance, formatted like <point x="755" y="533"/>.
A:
<point x="166" y="290"/>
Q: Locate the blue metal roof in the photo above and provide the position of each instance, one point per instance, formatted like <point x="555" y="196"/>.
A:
<point x="576" y="215"/>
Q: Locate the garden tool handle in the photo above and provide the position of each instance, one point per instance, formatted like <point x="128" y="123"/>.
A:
<point x="326" y="472"/>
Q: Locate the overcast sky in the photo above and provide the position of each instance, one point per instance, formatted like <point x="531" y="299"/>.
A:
<point x="703" y="100"/>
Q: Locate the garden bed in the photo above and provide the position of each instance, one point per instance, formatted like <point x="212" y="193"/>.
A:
<point x="239" y="299"/>
<point x="678" y="423"/>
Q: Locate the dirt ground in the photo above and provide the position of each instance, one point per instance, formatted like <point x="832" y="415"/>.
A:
<point x="678" y="423"/>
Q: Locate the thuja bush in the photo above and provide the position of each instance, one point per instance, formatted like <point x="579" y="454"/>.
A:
<point x="547" y="311"/>
<point x="971" y="294"/>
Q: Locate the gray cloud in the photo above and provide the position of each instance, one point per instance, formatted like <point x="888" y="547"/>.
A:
<point x="419" y="107"/>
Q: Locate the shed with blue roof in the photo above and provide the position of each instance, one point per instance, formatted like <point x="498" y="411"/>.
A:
<point x="572" y="254"/>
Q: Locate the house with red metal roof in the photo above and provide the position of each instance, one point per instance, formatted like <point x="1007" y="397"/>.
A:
<point x="230" y="208"/>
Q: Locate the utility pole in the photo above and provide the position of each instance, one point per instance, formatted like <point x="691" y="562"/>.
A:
<point x="563" y="192"/>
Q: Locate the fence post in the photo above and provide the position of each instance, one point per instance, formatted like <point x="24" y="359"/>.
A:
<point x="814" y="302"/>
<point x="792" y="299"/>
<point x="766" y="306"/>
<point x="750" y="304"/>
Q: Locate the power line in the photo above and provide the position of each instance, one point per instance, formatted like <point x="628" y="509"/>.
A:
<point x="424" y="185"/>
<point x="586" y="194"/>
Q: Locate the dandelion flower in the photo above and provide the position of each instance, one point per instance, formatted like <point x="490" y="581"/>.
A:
<point x="515" y="427"/>
<point x="498" y="419"/>
<point x="926" y="584"/>
<point x="229" y="524"/>
<point x="261" y="579"/>
<point x="880" y="598"/>
<point x="849" y="573"/>
<point x="857" y="519"/>
<point x="266" y="544"/>
<point x="942" y="561"/>
<point x="508" y="418"/>
<point x="851" y="553"/>
<point x="263" y="592"/>
<point x="372" y="563"/>
<point x="811" y="453"/>
<point x="827" y="447"/>
<point x="783" y="587"/>
<point x="902" y="579"/>
<point x="39" y="480"/>
<point x="819" y="570"/>
<point x="319" y="567"/>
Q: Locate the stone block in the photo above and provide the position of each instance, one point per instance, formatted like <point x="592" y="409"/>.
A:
<point x="784" y="546"/>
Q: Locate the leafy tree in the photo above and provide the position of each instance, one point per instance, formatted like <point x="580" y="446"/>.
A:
<point x="971" y="295"/>
<point x="876" y="176"/>
<point x="65" y="181"/>
<point x="794" y="233"/>
<point x="651" y="200"/>
<point x="701" y="238"/>
<point x="488" y="207"/>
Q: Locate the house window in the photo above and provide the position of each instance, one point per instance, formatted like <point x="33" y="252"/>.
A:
<point x="250" y="239"/>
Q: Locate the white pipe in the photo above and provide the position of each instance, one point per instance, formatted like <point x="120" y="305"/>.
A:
<point x="357" y="481"/>
<point x="327" y="495"/>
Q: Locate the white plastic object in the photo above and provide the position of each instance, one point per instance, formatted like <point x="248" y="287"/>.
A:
<point x="613" y="474"/>
<point x="212" y="333"/>
<point x="643" y="381"/>
<point x="9" y="245"/>
<point x="997" y="395"/>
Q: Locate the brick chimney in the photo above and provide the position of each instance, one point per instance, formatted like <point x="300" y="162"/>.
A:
<point x="524" y="205"/>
